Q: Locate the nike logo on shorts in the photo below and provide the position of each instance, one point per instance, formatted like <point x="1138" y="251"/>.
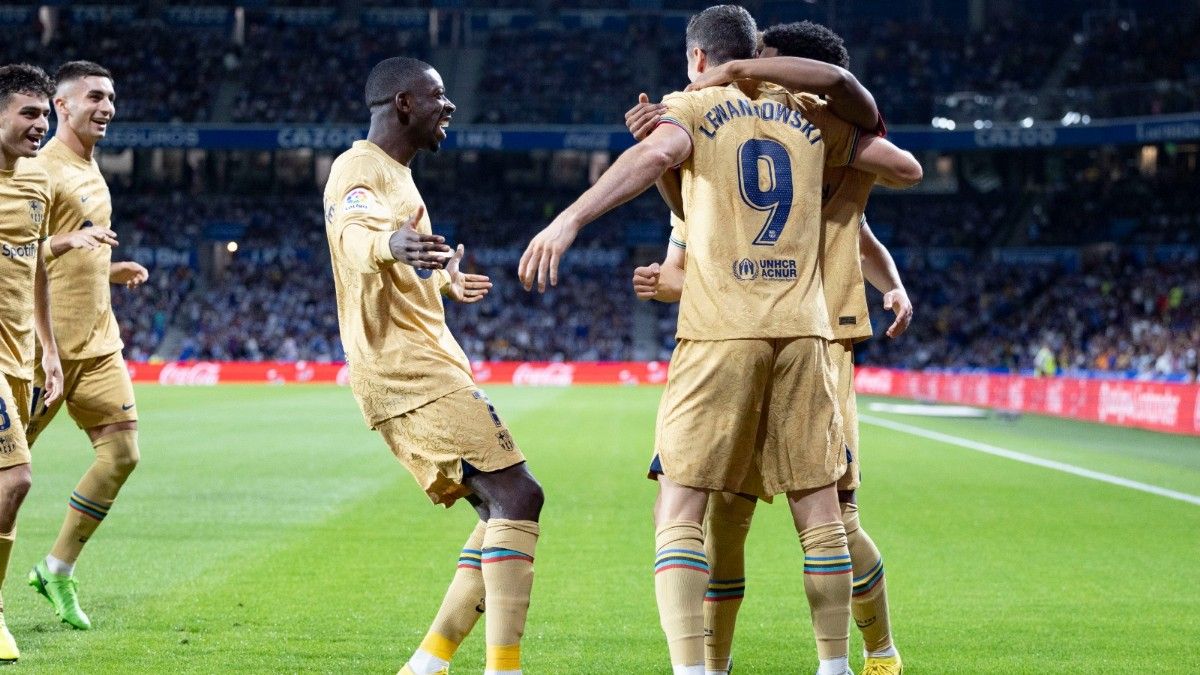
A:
<point x="128" y="406"/>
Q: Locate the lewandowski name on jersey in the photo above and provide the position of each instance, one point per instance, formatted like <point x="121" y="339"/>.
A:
<point x="768" y="111"/>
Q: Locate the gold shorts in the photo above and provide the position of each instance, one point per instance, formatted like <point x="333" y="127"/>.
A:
<point x="842" y="354"/>
<point x="452" y="436"/>
<point x="97" y="391"/>
<point x="14" y="415"/>
<point x="754" y="416"/>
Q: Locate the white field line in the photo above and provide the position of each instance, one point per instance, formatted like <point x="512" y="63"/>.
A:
<point x="1030" y="459"/>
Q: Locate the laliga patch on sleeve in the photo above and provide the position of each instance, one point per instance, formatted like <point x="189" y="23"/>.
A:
<point x="358" y="200"/>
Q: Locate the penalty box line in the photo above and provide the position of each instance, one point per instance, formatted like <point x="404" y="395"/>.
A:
<point x="1030" y="459"/>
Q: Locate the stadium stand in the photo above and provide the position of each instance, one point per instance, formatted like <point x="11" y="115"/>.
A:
<point x="1118" y="227"/>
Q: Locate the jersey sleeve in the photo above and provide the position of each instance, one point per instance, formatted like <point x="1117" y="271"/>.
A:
<point x="678" y="232"/>
<point x="362" y="221"/>
<point x="681" y="111"/>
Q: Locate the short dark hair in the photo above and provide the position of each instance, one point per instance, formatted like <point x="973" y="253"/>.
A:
<point x="76" y="70"/>
<point x="23" y="78"/>
<point x="808" y="40"/>
<point x="390" y="76"/>
<point x="723" y="33"/>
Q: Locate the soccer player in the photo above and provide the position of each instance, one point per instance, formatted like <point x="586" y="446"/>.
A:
<point x="848" y="240"/>
<point x="98" y="391"/>
<point x="411" y="378"/>
<point x="751" y="397"/>
<point x="24" y="198"/>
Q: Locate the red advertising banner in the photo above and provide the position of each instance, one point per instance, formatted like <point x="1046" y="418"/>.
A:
<point x="1159" y="406"/>
<point x="531" y="373"/>
<point x="1149" y="405"/>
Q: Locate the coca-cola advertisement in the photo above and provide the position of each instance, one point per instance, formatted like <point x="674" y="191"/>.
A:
<point x="520" y="373"/>
<point x="1159" y="406"/>
<point x="1149" y="405"/>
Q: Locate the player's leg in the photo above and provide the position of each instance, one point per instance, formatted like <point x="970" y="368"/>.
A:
<point x="514" y="501"/>
<point x="681" y="572"/>
<point x="457" y="446"/>
<point x="869" y="603"/>
<point x="99" y="397"/>
<point x="726" y="525"/>
<point x="461" y="607"/>
<point x="705" y="441"/>
<point x="803" y="456"/>
<point x="15" y="479"/>
<point x="827" y="573"/>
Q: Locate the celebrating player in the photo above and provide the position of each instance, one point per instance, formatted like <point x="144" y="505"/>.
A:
<point x="24" y="199"/>
<point x="750" y="403"/>
<point x="411" y="378"/>
<point x="98" y="390"/>
<point x="848" y="240"/>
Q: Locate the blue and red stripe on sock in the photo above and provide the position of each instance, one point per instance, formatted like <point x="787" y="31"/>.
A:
<point x="87" y="507"/>
<point x="834" y="564"/>
<point x="497" y="555"/>
<point x="680" y="558"/>
<point x="867" y="582"/>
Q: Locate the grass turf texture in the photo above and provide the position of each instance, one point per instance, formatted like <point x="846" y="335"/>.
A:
<point x="267" y="530"/>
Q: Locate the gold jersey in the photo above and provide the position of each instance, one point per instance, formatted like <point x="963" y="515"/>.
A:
<point x="80" y="299"/>
<point x="400" y="352"/>
<point x="752" y="200"/>
<point x="24" y="201"/>
<point x="844" y="200"/>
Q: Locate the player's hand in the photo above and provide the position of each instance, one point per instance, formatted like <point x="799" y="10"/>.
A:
<point x="52" y="367"/>
<point x="645" y="281"/>
<point x="128" y="274"/>
<point x="643" y="117"/>
<point x="88" y="239"/>
<point x="896" y="300"/>
<point x="467" y="288"/>
<point x="422" y="251"/>
<point x="541" y="258"/>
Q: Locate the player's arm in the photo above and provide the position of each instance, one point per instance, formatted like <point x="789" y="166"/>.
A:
<point x="662" y="281"/>
<point x="51" y="364"/>
<point x="848" y="98"/>
<point x="364" y="234"/>
<point x="641" y="120"/>
<point x="670" y="188"/>
<point x="88" y="239"/>
<point x="635" y="170"/>
<point x="879" y="268"/>
<point x="892" y="166"/>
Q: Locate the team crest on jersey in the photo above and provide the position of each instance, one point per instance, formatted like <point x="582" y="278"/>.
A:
<point x="357" y="199"/>
<point x="745" y="270"/>
<point x="37" y="211"/>
<point x="505" y="439"/>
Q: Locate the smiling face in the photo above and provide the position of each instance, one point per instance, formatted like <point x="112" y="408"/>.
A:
<point x="86" y="105"/>
<point x="429" y="111"/>
<point x="24" y="121"/>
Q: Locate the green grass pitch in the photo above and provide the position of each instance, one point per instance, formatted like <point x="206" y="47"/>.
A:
<point x="267" y="530"/>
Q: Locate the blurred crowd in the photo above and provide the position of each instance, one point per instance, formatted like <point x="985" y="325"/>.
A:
<point x="546" y="70"/>
<point x="1119" y="315"/>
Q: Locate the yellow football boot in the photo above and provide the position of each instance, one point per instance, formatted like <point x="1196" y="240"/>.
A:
<point x="408" y="671"/>
<point x="889" y="665"/>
